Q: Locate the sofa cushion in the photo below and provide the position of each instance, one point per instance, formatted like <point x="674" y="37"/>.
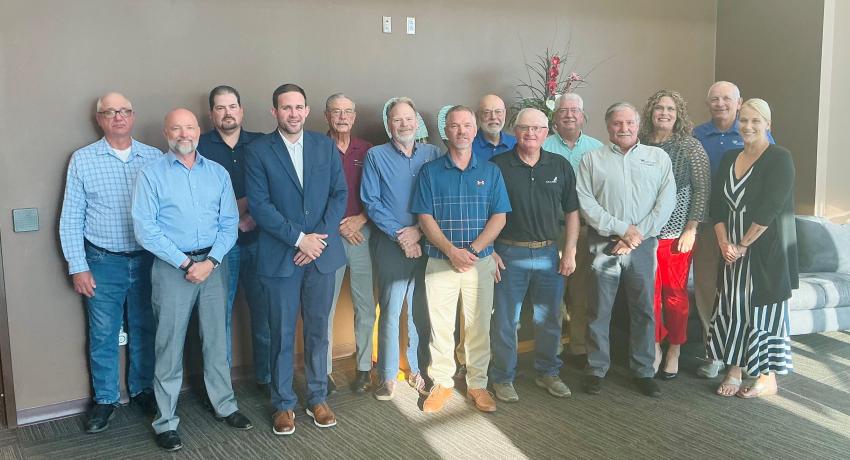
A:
<point x="821" y="290"/>
<point x="822" y="246"/>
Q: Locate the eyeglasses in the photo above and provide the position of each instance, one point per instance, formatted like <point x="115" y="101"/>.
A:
<point x="488" y="113"/>
<point x="340" y="112"/>
<point x="532" y="129"/>
<point x="573" y="110"/>
<point x="111" y="113"/>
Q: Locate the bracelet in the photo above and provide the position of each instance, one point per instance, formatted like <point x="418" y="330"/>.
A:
<point x="186" y="268"/>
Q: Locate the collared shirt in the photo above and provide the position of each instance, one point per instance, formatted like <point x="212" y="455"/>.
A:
<point x="556" y="144"/>
<point x="540" y="195"/>
<point x="484" y="150"/>
<point x="617" y="189"/>
<point x="178" y="210"/>
<point x="461" y="201"/>
<point x="213" y="147"/>
<point x="716" y="142"/>
<point x="98" y="194"/>
<point x="296" y="154"/>
<point x="352" y="166"/>
<point x="389" y="178"/>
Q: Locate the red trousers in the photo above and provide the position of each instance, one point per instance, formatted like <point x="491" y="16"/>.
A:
<point x="671" y="292"/>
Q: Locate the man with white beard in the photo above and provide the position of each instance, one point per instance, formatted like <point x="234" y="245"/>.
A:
<point x="184" y="212"/>
<point x="490" y="140"/>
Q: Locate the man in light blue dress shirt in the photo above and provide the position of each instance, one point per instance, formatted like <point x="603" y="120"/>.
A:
<point x="490" y="140"/>
<point x="184" y="212"/>
<point x="106" y="263"/>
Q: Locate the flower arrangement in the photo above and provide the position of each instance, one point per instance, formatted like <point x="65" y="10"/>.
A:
<point x="547" y="81"/>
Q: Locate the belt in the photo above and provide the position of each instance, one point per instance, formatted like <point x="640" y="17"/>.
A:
<point x="115" y="253"/>
<point x="199" y="252"/>
<point x="526" y="244"/>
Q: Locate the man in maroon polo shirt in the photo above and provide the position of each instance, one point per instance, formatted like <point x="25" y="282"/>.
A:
<point x="355" y="230"/>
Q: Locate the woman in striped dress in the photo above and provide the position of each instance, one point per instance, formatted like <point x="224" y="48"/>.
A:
<point x="753" y="207"/>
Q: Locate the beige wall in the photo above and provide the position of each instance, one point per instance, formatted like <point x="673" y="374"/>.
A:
<point x="772" y="50"/>
<point x="56" y="57"/>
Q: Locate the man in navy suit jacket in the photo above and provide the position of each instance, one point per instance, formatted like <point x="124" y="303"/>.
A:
<point x="297" y="195"/>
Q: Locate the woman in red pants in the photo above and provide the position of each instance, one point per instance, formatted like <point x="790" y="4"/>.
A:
<point x="666" y="125"/>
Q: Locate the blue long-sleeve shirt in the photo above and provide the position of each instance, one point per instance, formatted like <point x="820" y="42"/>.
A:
<point x="178" y="210"/>
<point x="389" y="178"/>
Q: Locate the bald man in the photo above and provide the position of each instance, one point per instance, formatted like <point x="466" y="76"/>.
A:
<point x="185" y="213"/>
<point x="108" y="267"/>
<point x="490" y="140"/>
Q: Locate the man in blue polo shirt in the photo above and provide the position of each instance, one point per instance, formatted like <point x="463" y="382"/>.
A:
<point x="490" y="139"/>
<point x="461" y="202"/>
<point x="717" y="136"/>
<point x="224" y="144"/>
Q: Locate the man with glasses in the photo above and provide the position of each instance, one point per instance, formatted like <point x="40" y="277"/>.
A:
<point x="541" y="188"/>
<point x="627" y="193"/>
<point x="356" y="232"/>
<point x="569" y="141"/>
<point x="490" y="139"/>
<point x="225" y="144"/>
<point x="108" y="266"/>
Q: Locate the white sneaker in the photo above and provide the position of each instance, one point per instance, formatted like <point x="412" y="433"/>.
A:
<point x="710" y="369"/>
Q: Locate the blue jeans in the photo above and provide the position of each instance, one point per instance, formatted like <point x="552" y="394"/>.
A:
<point x="399" y="278"/>
<point x="258" y="304"/>
<point x="363" y="297"/>
<point x="233" y="258"/>
<point x="120" y="281"/>
<point x="535" y="272"/>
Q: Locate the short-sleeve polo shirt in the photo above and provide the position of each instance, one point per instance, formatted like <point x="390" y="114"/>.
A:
<point x="540" y="195"/>
<point x="461" y="201"/>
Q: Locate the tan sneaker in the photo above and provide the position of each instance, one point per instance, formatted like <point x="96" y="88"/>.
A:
<point x="482" y="398"/>
<point x="322" y="415"/>
<point x="437" y="399"/>
<point x="283" y="422"/>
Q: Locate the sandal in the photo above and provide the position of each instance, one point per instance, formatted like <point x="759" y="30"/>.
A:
<point x="757" y="390"/>
<point x="730" y="386"/>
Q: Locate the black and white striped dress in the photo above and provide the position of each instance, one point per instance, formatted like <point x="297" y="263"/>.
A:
<point x="754" y="337"/>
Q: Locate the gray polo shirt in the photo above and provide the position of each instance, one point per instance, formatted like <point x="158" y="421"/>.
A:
<point x="617" y="189"/>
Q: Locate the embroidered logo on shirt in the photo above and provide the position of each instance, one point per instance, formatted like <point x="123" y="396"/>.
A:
<point x="553" y="181"/>
<point x="479" y="183"/>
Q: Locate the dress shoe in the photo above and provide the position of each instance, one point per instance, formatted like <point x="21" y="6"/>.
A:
<point x="554" y="385"/>
<point x="664" y="375"/>
<point x="331" y="385"/>
<point x="283" y="422"/>
<point x="482" y="399"/>
<point x="238" y="421"/>
<point x="322" y="415"/>
<point x="647" y="386"/>
<point x="416" y="381"/>
<point x="385" y="391"/>
<point x="145" y="401"/>
<point x="592" y="384"/>
<point x="505" y="392"/>
<point x="437" y="399"/>
<point x="99" y="417"/>
<point x="169" y="440"/>
<point x="362" y="382"/>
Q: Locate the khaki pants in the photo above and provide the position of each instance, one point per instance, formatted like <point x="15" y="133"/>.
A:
<point x="443" y="286"/>
<point x="574" y="306"/>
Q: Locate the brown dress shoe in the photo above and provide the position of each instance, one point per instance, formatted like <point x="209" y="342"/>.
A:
<point x="482" y="399"/>
<point x="437" y="399"/>
<point x="283" y="422"/>
<point x="322" y="415"/>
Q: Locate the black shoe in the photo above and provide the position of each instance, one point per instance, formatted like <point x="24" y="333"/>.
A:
<point x="592" y="384"/>
<point x="264" y="388"/>
<point x="146" y="402"/>
<point x="238" y="421"/>
<point x="331" y="385"/>
<point x="647" y="386"/>
<point x="169" y="440"/>
<point x="578" y="361"/>
<point x="99" y="417"/>
<point x="666" y="375"/>
<point x="362" y="382"/>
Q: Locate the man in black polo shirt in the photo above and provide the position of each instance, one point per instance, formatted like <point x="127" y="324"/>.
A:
<point x="224" y="144"/>
<point x="542" y="190"/>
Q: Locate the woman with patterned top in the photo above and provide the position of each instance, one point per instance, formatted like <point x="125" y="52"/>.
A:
<point x="667" y="125"/>
<point x="753" y="207"/>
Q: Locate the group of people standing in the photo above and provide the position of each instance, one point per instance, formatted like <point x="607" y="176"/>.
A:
<point x="462" y="238"/>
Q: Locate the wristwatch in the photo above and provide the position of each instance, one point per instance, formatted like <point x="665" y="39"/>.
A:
<point x="471" y="250"/>
<point x="215" y="262"/>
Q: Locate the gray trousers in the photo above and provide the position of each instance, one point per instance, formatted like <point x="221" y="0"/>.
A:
<point x="637" y="272"/>
<point x="173" y="299"/>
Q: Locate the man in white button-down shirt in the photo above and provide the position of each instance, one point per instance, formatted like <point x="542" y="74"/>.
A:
<point x="626" y="192"/>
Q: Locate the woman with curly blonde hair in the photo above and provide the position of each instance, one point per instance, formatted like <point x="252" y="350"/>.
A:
<point x="667" y="125"/>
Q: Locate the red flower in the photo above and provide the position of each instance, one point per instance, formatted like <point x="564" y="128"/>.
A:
<point x="555" y="60"/>
<point x="552" y="85"/>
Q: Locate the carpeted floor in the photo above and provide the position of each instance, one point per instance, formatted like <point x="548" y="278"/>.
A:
<point x="810" y="418"/>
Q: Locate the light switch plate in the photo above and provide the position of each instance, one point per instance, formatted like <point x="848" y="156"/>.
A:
<point x="411" y="26"/>
<point x="25" y="219"/>
<point x="387" y="24"/>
